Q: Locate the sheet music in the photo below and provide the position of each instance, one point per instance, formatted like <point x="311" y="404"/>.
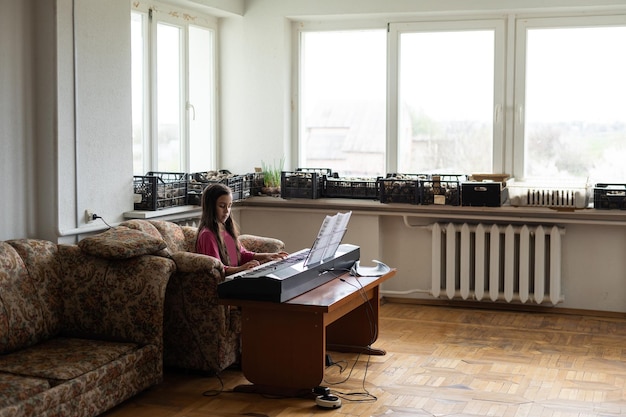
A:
<point x="328" y="238"/>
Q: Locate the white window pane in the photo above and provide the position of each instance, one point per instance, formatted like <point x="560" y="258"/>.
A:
<point x="169" y="97"/>
<point x="445" y="108"/>
<point x="575" y="113"/>
<point x="200" y="110"/>
<point x="343" y="115"/>
<point x="138" y="45"/>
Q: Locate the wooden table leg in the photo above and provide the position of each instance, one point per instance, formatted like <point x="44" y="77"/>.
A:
<point x="357" y="330"/>
<point x="283" y="353"/>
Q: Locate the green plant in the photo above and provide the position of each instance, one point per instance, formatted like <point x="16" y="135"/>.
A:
<point x="272" y="173"/>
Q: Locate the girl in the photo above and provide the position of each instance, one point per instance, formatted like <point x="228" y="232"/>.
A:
<point x="218" y="235"/>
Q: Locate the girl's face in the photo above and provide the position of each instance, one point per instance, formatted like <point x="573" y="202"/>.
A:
<point x="222" y="207"/>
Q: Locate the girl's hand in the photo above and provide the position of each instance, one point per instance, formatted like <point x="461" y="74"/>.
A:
<point x="276" y="256"/>
<point x="250" y="264"/>
<point x="266" y="257"/>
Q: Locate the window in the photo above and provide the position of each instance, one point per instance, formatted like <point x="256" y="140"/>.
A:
<point x="342" y="118"/>
<point x="446" y="92"/>
<point x="573" y="113"/>
<point x="531" y="97"/>
<point x="173" y="70"/>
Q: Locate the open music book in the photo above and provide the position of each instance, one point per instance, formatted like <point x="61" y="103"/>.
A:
<point x="328" y="238"/>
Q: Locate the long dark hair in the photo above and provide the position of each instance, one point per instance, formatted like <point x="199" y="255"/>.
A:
<point x="209" y="220"/>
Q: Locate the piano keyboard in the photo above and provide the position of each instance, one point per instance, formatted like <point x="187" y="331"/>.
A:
<point x="291" y="259"/>
<point x="287" y="278"/>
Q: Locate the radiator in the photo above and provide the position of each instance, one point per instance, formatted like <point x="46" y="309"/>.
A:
<point x="188" y="222"/>
<point x="491" y="262"/>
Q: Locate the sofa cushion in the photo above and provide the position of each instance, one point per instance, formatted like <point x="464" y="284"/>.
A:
<point x="61" y="358"/>
<point x="41" y="261"/>
<point x="24" y="321"/>
<point x="15" y="388"/>
<point x="173" y="235"/>
<point x="121" y="242"/>
<point x="143" y="225"/>
<point x="95" y="391"/>
<point x="114" y="299"/>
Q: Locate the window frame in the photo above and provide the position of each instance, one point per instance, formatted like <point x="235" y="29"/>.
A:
<point x="298" y="27"/>
<point x="522" y="26"/>
<point x="509" y="74"/>
<point x="499" y="88"/>
<point x="154" y="14"/>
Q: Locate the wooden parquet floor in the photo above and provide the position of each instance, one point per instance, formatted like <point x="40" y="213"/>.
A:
<point x="440" y="361"/>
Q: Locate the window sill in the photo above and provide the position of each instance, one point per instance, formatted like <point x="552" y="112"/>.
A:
<point x="436" y="212"/>
<point x="445" y="213"/>
<point x="173" y="213"/>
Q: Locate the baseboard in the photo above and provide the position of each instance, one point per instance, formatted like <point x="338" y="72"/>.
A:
<point x="504" y="307"/>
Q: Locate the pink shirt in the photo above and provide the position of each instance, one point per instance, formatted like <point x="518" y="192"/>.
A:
<point x="207" y="245"/>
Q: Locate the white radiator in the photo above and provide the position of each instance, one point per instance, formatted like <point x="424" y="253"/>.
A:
<point x="188" y="221"/>
<point x="497" y="262"/>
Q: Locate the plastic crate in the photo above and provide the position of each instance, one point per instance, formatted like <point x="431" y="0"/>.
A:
<point x="400" y="188"/>
<point x="301" y="184"/>
<point x="442" y="190"/>
<point x="159" y="190"/>
<point x="198" y="181"/>
<point x="253" y="184"/>
<point x="609" y="196"/>
<point x="351" y="188"/>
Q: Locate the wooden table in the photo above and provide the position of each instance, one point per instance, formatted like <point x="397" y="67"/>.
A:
<point x="284" y="344"/>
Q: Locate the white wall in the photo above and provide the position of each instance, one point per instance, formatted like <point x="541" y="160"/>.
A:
<point x="16" y="118"/>
<point x="102" y="141"/>
<point x="65" y="120"/>
<point x="593" y="267"/>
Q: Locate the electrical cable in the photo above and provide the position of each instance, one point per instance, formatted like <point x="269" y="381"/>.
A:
<point x="95" y="216"/>
<point x="368" y="397"/>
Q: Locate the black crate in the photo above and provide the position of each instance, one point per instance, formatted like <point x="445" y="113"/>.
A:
<point x="159" y="190"/>
<point x="609" y="196"/>
<point x="253" y="183"/>
<point x="441" y="189"/>
<point x="301" y="184"/>
<point x="400" y="188"/>
<point x="351" y="188"/>
<point x="486" y="194"/>
<point x="198" y="181"/>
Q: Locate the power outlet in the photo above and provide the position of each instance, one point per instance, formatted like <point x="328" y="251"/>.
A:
<point x="89" y="215"/>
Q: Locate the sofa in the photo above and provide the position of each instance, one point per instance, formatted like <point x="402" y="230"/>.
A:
<point x="199" y="333"/>
<point x="81" y="326"/>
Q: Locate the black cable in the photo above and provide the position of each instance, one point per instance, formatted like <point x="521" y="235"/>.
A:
<point x="368" y="396"/>
<point x="95" y="216"/>
<point x="373" y="333"/>
<point x="215" y="392"/>
<point x="369" y="310"/>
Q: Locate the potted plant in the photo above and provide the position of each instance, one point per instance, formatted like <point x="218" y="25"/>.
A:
<point x="271" y="177"/>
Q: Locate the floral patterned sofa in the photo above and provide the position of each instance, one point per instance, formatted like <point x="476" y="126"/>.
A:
<point x="199" y="334"/>
<point x="81" y="326"/>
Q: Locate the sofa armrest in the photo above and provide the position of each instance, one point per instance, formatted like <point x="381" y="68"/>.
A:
<point x="194" y="287"/>
<point x="114" y="299"/>
<point x="199" y="332"/>
<point x="187" y="262"/>
<point x="261" y="244"/>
